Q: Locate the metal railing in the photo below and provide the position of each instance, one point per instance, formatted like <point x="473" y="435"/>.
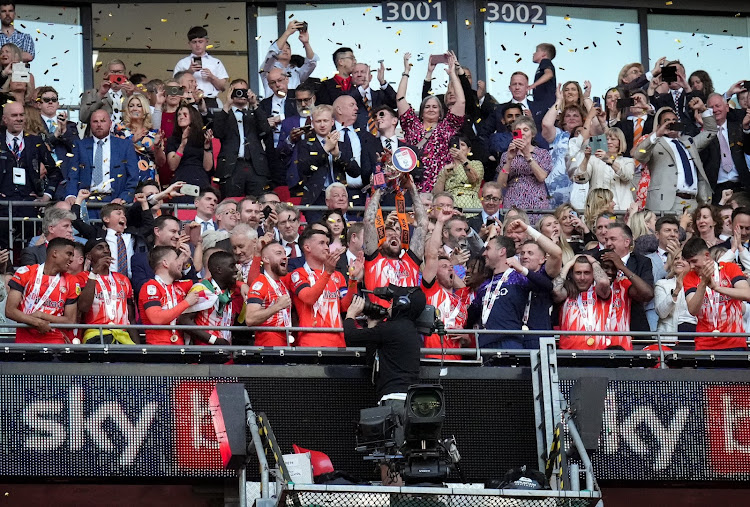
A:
<point x="478" y="355"/>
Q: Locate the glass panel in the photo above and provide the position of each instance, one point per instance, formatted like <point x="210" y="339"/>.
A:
<point x="718" y="45"/>
<point x="58" y="43"/>
<point x="157" y="32"/>
<point x="267" y="33"/>
<point x="591" y="44"/>
<point x="334" y="26"/>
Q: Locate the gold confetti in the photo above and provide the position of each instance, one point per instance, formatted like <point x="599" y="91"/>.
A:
<point x="566" y="18"/>
<point x="163" y="20"/>
<point x="670" y="2"/>
<point x="398" y="33"/>
<point x="483" y="9"/>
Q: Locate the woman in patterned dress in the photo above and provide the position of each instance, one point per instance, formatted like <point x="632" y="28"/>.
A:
<point x="523" y="169"/>
<point x="432" y="129"/>
<point x="137" y="126"/>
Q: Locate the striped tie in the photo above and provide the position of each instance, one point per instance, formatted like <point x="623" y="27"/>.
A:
<point x="371" y="125"/>
<point x="638" y="129"/>
<point x="122" y="255"/>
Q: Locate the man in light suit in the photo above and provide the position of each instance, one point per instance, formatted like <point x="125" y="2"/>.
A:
<point x="677" y="176"/>
<point x="103" y="164"/>
<point x="109" y="96"/>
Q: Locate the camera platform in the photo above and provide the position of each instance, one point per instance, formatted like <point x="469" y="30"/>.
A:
<point x="388" y="496"/>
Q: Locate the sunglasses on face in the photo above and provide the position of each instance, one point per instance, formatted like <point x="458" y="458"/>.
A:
<point x="48" y="99"/>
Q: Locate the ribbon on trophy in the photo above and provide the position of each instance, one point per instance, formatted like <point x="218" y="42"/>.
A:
<point x="392" y="166"/>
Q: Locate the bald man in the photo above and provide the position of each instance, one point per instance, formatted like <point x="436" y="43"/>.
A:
<point x="356" y="144"/>
<point x="280" y="104"/>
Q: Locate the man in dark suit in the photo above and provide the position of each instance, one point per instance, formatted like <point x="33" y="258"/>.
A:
<point x="243" y="166"/>
<point x="519" y="88"/>
<point x="294" y="128"/>
<point x="27" y="170"/>
<point x="387" y="120"/>
<point x="341" y="82"/>
<point x="57" y="223"/>
<point x="320" y="158"/>
<point x="638" y="121"/>
<point x="60" y="135"/>
<point x="619" y="239"/>
<point x="166" y="232"/>
<point x="368" y="100"/>
<point x="678" y="97"/>
<point x="103" y="164"/>
<point x="357" y="145"/>
<point x="280" y="104"/>
<point x="492" y="199"/>
<point x="724" y="157"/>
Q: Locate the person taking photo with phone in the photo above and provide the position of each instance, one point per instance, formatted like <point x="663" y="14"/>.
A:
<point x="671" y="190"/>
<point x="112" y="90"/>
<point x="208" y="71"/>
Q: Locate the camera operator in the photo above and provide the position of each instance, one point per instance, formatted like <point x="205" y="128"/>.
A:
<point x="396" y="338"/>
<point x="398" y="343"/>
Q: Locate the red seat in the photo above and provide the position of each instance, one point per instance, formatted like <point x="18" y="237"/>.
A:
<point x="321" y="463"/>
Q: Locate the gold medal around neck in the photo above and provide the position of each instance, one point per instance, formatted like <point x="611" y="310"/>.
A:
<point x="174" y="338"/>
<point x="590" y="342"/>
<point x="716" y="331"/>
<point x="524" y="327"/>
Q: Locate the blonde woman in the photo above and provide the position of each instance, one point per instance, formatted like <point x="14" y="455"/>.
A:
<point x="572" y="228"/>
<point x="549" y="226"/>
<point x="669" y="298"/>
<point x="598" y="201"/>
<point x="609" y="169"/>
<point x="137" y="125"/>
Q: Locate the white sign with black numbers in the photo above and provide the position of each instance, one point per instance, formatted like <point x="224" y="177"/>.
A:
<point x="424" y="10"/>
<point x="508" y="12"/>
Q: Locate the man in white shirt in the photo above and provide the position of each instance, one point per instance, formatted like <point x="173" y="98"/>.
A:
<point x="208" y="71"/>
<point x="205" y="206"/>
<point x="289" y="229"/>
<point x="280" y="54"/>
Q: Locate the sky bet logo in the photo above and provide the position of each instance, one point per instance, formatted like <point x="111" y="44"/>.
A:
<point x="56" y="425"/>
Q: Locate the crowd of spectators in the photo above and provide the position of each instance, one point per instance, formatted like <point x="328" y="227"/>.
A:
<point x="557" y="210"/>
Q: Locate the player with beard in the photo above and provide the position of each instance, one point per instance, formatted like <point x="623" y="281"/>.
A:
<point x="164" y="298"/>
<point x="384" y="264"/>
<point x="438" y="283"/>
<point x="320" y="292"/>
<point x="44" y="294"/>
<point x="269" y="302"/>
<point x="585" y="290"/>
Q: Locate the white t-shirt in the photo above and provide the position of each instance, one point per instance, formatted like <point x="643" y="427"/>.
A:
<point x="208" y="62"/>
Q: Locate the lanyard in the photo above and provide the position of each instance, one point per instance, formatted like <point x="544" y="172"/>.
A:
<point x="450" y="319"/>
<point x="587" y="309"/>
<point x="526" y="311"/>
<point x="34" y="306"/>
<point x="108" y="296"/>
<point x="489" y="299"/>
<point x="277" y="290"/>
